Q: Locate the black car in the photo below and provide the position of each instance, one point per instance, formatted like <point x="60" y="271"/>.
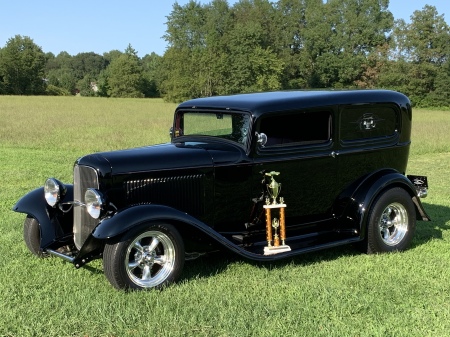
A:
<point x="265" y="175"/>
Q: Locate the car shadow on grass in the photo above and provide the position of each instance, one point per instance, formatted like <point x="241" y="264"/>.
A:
<point x="432" y="230"/>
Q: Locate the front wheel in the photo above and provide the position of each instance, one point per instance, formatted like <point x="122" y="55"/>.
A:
<point x="149" y="256"/>
<point x="392" y="222"/>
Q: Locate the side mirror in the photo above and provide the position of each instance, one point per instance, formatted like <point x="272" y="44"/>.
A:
<point x="261" y="139"/>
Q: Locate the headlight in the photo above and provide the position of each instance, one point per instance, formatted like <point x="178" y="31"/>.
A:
<point x="53" y="191"/>
<point x="94" y="203"/>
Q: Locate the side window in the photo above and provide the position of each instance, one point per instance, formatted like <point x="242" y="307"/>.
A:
<point x="374" y="123"/>
<point x="297" y="128"/>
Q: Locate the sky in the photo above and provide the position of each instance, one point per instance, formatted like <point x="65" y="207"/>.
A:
<point x="101" y="26"/>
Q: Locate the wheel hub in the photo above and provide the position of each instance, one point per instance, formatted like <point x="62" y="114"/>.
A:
<point x="146" y="257"/>
<point x="393" y="224"/>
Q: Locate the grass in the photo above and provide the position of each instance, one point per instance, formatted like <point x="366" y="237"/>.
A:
<point x="337" y="292"/>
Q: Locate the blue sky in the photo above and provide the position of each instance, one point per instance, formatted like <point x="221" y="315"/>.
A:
<point x="101" y="26"/>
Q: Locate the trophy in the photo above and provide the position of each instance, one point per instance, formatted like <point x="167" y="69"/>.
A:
<point x="273" y="190"/>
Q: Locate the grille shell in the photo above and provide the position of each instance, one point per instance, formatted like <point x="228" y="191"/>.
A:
<point x="84" y="177"/>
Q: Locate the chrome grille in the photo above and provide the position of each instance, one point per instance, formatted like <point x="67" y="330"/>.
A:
<point x="83" y="224"/>
<point x="185" y="193"/>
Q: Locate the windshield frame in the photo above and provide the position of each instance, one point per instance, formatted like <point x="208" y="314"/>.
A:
<point x="244" y="140"/>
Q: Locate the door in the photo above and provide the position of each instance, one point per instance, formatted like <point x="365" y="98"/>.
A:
<point x="300" y="147"/>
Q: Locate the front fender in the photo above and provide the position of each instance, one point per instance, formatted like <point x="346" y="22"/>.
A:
<point x="133" y="216"/>
<point x="366" y="192"/>
<point x="136" y="215"/>
<point x="49" y="218"/>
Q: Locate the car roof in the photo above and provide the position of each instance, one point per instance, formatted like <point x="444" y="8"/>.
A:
<point x="259" y="103"/>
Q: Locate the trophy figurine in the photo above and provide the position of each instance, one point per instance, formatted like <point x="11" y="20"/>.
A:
<point x="276" y="238"/>
<point x="277" y="224"/>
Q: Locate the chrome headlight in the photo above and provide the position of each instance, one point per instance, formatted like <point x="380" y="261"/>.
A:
<point x="95" y="203"/>
<point x="53" y="191"/>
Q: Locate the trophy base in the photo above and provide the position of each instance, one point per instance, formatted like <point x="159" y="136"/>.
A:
<point x="276" y="250"/>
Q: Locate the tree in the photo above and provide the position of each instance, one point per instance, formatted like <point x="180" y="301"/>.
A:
<point x="151" y="65"/>
<point x="422" y="50"/>
<point x="183" y="66"/>
<point x="22" y="65"/>
<point x="356" y="28"/>
<point x="125" y="75"/>
<point x="254" y="65"/>
<point x="215" y="49"/>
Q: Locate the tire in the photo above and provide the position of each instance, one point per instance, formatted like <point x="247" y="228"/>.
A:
<point x="32" y="236"/>
<point x="392" y="222"/>
<point x="149" y="256"/>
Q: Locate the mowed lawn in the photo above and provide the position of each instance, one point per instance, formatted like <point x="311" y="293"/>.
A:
<point x="337" y="292"/>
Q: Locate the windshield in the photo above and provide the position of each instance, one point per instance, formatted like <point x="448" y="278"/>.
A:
<point x="231" y="126"/>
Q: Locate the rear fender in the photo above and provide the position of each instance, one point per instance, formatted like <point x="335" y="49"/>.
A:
<point x="52" y="220"/>
<point x="366" y="192"/>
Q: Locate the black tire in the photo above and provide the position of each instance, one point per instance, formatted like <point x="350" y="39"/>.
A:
<point x="32" y="236"/>
<point x="149" y="256"/>
<point x="391" y="222"/>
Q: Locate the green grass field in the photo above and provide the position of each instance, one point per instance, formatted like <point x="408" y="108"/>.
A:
<point x="337" y="292"/>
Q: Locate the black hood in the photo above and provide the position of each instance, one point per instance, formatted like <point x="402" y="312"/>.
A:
<point x="163" y="157"/>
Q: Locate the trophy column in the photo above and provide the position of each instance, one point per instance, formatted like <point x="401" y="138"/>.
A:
<point x="276" y="238"/>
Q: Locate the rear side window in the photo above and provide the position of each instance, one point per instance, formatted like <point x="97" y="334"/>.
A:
<point x="374" y="123"/>
<point x="298" y="128"/>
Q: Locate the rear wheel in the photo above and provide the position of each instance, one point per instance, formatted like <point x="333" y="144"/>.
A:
<point x="149" y="256"/>
<point x="392" y="222"/>
<point x="32" y="236"/>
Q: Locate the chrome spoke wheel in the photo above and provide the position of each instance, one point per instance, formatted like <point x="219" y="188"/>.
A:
<point x="393" y="224"/>
<point x="150" y="259"/>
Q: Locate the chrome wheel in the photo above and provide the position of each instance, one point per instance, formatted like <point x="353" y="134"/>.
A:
<point x="150" y="255"/>
<point x="393" y="224"/>
<point x="150" y="259"/>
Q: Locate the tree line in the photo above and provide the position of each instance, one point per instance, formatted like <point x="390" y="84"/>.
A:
<point x="253" y="45"/>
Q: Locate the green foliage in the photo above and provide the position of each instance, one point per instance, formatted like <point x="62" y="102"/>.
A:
<point x="151" y="65"/>
<point x="62" y="78"/>
<point x="338" y="292"/>
<point x="215" y="48"/>
<point x="87" y="64"/>
<point x="87" y="86"/>
<point x="421" y="52"/>
<point x="52" y="90"/>
<point x="22" y="64"/>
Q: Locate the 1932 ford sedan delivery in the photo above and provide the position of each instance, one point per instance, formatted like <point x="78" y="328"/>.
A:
<point x="265" y="175"/>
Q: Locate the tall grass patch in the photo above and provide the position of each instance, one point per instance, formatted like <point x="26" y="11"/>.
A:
<point x="430" y="131"/>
